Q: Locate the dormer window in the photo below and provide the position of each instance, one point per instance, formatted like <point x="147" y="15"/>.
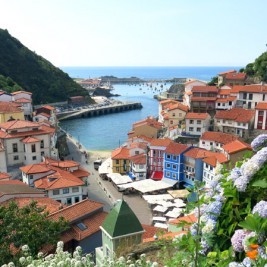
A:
<point x="35" y="129"/>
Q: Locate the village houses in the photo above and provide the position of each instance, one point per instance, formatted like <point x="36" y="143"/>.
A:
<point x="261" y="116"/>
<point x="197" y="123"/>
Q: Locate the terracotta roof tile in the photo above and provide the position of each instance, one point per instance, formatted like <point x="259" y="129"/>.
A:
<point x="9" y="107"/>
<point x="219" y="137"/>
<point x="175" y="148"/>
<point x="30" y="139"/>
<point x="218" y="157"/>
<point x="48" y="107"/>
<point x="81" y="173"/>
<point x="44" y="114"/>
<point x="261" y="105"/>
<point x="190" y="219"/>
<point x="150" y="231"/>
<point x="206" y="89"/>
<point x="148" y="121"/>
<point x="176" y="105"/>
<point x="253" y="88"/>
<point x="142" y="145"/>
<point x="21" y="92"/>
<point x="225" y="100"/>
<point x="77" y="210"/>
<point x="236" y="114"/>
<point x="120" y="153"/>
<point x="236" y="76"/>
<point x="225" y="72"/>
<point x="236" y="146"/>
<point x="139" y="159"/>
<point x="161" y="142"/>
<point x="197" y="116"/>
<point x="224" y="92"/>
<point x="4" y="176"/>
<point x="198" y="153"/>
<point x="18" y="124"/>
<point x="35" y="168"/>
<point x="169" y="235"/>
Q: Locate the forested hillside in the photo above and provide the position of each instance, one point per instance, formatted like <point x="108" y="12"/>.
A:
<point x="33" y="73"/>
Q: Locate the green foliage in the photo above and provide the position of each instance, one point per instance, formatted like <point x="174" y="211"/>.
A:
<point x="26" y="225"/>
<point x="8" y="85"/>
<point x="34" y="73"/>
<point x="214" y="81"/>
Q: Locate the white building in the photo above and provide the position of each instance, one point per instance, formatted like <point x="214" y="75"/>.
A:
<point x="138" y="166"/>
<point x="24" y="99"/>
<point x="261" y="116"/>
<point x="24" y="142"/>
<point x="197" y="123"/>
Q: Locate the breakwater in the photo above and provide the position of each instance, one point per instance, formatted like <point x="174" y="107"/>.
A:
<point x="97" y="111"/>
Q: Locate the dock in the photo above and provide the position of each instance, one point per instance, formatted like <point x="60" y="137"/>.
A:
<point x="97" y="111"/>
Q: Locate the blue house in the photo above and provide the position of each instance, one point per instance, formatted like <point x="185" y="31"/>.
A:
<point x="193" y="165"/>
<point x="173" y="161"/>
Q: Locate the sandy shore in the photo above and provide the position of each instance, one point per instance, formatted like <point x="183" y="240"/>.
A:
<point x="99" y="154"/>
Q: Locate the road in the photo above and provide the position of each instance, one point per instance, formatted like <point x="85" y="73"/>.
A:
<point x="103" y="191"/>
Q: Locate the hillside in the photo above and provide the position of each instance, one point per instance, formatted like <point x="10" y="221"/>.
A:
<point x="33" y="73"/>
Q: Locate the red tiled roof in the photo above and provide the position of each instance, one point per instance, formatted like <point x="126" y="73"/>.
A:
<point x="189" y="219"/>
<point x="48" y="107"/>
<point x="236" y="114"/>
<point x="197" y="116"/>
<point x="225" y="100"/>
<point x="175" y="148"/>
<point x="236" y="146"/>
<point x="151" y="231"/>
<point x="4" y="176"/>
<point x="57" y="180"/>
<point x="236" y="76"/>
<point x="18" y="124"/>
<point x="21" y="92"/>
<point x="9" y="107"/>
<point x="148" y="121"/>
<point x="225" y="72"/>
<point x="142" y="145"/>
<point x="176" y="105"/>
<point x="261" y="105"/>
<point x="202" y="98"/>
<point x="62" y="164"/>
<point x="120" y="153"/>
<point x="206" y="89"/>
<point x="35" y="168"/>
<point x="77" y="210"/>
<point x="139" y="159"/>
<point x="224" y="91"/>
<point x="192" y="81"/>
<point x="168" y="235"/>
<point x="50" y="205"/>
<point x="14" y="182"/>
<point x="253" y="88"/>
<point x="161" y="142"/>
<point x="219" y="137"/>
<point x="48" y="129"/>
<point x="44" y="114"/>
<point x="198" y="153"/>
<point x="23" y="100"/>
<point x="81" y="173"/>
<point x="212" y="160"/>
<point x="30" y="139"/>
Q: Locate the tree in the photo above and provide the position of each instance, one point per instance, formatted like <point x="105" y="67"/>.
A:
<point x="214" y="81"/>
<point x="26" y="225"/>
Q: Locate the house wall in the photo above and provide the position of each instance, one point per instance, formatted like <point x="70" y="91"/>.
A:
<point x="172" y="165"/>
<point x="90" y="243"/>
<point x="210" y="145"/>
<point x="120" y="166"/>
<point x="4" y="117"/>
<point x="21" y="95"/>
<point x="63" y="198"/>
<point x="197" y="127"/>
<point x="175" y="116"/>
<point x="6" y="97"/>
<point x="146" y="130"/>
<point x="139" y="170"/>
<point x="260" y="120"/>
<point x="31" y="178"/>
<point x="156" y="158"/>
<point x="251" y="103"/>
<point x="3" y="164"/>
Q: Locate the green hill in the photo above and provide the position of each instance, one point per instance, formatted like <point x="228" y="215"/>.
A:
<point x="22" y="68"/>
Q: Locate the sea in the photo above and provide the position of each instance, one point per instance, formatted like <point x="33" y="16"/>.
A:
<point x="109" y="131"/>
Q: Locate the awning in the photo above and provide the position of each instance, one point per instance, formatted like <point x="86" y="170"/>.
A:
<point x="159" y="219"/>
<point x="168" y="181"/>
<point x="118" y="179"/>
<point x="161" y="225"/>
<point x="181" y="193"/>
<point x="160" y="209"/>
<point x="157" y="175"/>
<point x="131" y="175"/>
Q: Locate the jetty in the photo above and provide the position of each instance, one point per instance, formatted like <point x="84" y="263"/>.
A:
<point x="99" y="110"/>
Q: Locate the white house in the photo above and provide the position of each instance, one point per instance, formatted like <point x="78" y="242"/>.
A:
<point x="24" y="142"/>
<point x="197" y="123"/>
<point x="138" y="166"/>
<point x="46" y="113"/>
<point x="214" y="141"/>
<point x="25" y="100"/>
<point x="5" y="97"/>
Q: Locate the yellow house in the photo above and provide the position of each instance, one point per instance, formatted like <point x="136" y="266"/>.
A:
<point x="120" y="160"/>
<point x="10" y="111"/>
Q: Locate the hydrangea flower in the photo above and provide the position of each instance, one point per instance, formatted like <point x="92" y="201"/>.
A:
<point x="193" y="229"/>
<point x="261" y="209"/>
<point x="209" y="226"/>
<point x="234" y="174"/>
<point x="259" y="141"/>
<point x="237" y="239"/>
<point x="249" y="168"/>
<point x="245" y="242"/>
<point x="241" y="183"/>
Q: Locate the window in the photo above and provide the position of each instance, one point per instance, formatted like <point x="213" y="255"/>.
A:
<point x="174" y="166"/>
<point x="198" y="129"/>
<point x="33" y="148"/>
<point x="263" y="97"/>
<point x="191" y="129"/>
<point x="117" y="169"/>
<point x="250" y="96"/>
<point x="203" y="142"/>
<point x="168" y="174"/>
<point x="171" y="122"/>
<point x="117" y="161"/>
<point x="211" y="143"/>
<point x="42" y="144"/>
<point x="69" y="201"/>
<point x="168" y="165"/>
<point x="261" y="113"/>
<point x="136" y="152"/>
<point x="219" y="104"/>
<point x="15" y="147"/>
<point x="191" y="121"/>
<point x="56" y="192"/>
<point x="42" y="153"/>
<point x="76" y="199"/>
<point x="168" y="156"/>
<point x="66" y="190"/>
<point x="173" y="114"/>
<point x="244" y="95"/>
<point x="34" y="158"/>
<point x="198" y="121"/>
<point x="75" y="189"/>
<point x="174" y="157"/>
<point x="16" y="157"/>
<point x="174" y="175"/>
<point x="30" y="176"/>
<point x="81" y="226"/>
<point x="230" y="103"/>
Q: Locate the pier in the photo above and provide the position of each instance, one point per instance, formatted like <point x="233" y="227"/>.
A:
<point x="97" y="111"/>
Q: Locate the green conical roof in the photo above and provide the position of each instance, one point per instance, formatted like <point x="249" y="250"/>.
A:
<point x="121" y="221"/>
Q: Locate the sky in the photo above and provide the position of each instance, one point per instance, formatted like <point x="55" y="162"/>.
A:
<point x="139" y="32"/>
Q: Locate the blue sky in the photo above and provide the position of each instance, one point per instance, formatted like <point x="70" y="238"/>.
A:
<point x="139" y="32"/>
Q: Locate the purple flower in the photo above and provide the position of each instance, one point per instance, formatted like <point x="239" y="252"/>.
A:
<point x="241" y="183"/>
<point x="204" y="246"/>
<point x="261" y="209"/>
<point x="260" y="157"/>
<point x="249" y="168"/>
<point x="193" y="229"/>
<point x="237" y="240"/>
<point x="259" y="141"/>
<point x="235" y="173"/>
<point x="247" y="262"/>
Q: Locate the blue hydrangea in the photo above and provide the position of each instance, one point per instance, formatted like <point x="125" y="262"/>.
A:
<point x="237" y="239"/>
<point x="241" y="183"/>
<point x="235" y="173"/>
<point x="204" y="246"/>
<point x="193" y="229"/>
<point x="249" y="168"/>
<point x="247" y="262"/>
<point x="261" y="157"/>
<point x="259" y="141"/>
<point x="261" y="209"/>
